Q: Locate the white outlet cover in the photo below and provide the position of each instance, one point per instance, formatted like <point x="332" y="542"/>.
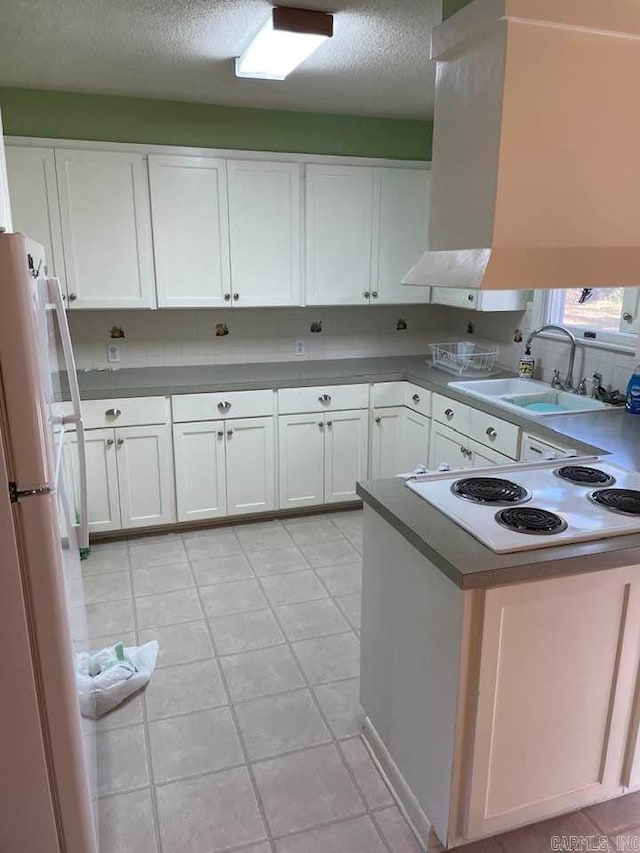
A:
<point x="300" y="348"/>
<point x="113" y="354"/>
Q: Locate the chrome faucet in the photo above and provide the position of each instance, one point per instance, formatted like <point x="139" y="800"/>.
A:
<point x="567" y="385"/>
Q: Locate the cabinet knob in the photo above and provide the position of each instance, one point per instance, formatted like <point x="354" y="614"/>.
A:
<point x="229" y="432"/>
<point x="416" y="398"/>
<point x="321" y="424"/>
<point x="73" y="297"/>
<point x="329" y="423"/>
<point x="120" y="441"/>
<point x="236" y="296"/>
<point x="109" y="441"/>
<point x="463" y="450"/>
<point x="325" y="398"/>
<point x="227" y="297"/>
<point x="220" y="433"/>
<point x="628" y="318"/>
<point x="449" y="413"/>
<point x="491" y="432"/>
<point x="366" y="294"/>
<point x="224" y="405"/>
<point x="471" y="297"/>
<point x="378" y="420"/>
<point x="374" y="293"/>
<point x="113" y="413"/>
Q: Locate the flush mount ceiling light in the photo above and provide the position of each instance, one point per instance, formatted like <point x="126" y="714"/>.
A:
<point x="288" y="38"/>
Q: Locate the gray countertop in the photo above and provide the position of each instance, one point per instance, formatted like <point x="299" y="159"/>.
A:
<point x="459" y="555"/>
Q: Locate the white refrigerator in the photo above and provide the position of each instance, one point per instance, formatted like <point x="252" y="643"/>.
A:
<point x="47" y="750"/>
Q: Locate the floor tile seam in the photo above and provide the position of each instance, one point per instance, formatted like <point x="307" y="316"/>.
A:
<point x="239" y="735"/>
<point x="333" y="595"/>
<point x="147" y="740"/>
<point x="190" y="713"/>
<point x="337" y="604"/>
<point x="325" y="720"/>
<point x="381" y="835"/>
<point x="618" y="831"/>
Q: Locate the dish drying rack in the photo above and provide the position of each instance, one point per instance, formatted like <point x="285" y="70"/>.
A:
<point x="462" y="357"/>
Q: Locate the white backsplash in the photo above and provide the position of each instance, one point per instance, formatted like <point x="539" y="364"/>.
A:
<point x="185" y="337"/>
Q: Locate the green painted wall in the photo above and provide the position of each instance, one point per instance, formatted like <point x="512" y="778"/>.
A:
<point x="62" y="115"/>
<point x="450" y="7"/>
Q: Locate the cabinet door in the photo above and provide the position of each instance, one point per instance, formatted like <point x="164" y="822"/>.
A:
<point x="200" y="470"/>
<point x="400" y="233"/>
<point x="386" y="442"/>
<point x="339" y="234"/>
<point x="145" y="475"/>
<point x="106" y="229"/>
<point x="414" y="444"/>
<point x="346" y="453"/>
<point x="476" y="300"/>
<point x="482" y="456"/>
<point x="447" y="447"/>
<point x="264" y="226"/>
<point x="301" y="460"/>
<point x="5" y="206"/>
<point x="34" y="202"/>
<point x="250" y="445"/>
<point x="102" y="479"/>
<point x="558" y="665"/>
<point x="190" y="231"/>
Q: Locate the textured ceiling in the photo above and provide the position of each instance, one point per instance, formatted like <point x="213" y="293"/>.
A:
<point x="376" y="64"/>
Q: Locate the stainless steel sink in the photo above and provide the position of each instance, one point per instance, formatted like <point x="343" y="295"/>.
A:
<point x="536" y="399"/>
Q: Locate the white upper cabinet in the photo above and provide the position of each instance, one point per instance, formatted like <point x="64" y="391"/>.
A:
<point x="190" y="231"/>
<point x="34" y="202"/>
<point x="479" y="300"/>
<point x="106" y="229"/>
<point x="400" y="233"/>
<point x="339" y="222"/>
<point x="265" y="232"/>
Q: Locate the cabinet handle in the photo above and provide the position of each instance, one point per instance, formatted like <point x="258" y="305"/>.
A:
<point x="374" y="293"/>
<point x="449" y="413"/>
<point x="378" y="420"/>
<point x="120" y="441"/>
<point x="463" y="450"/>
<point x="229" y="432"/>
<point x="227" y="297"/>
<point x="416" y="398"/>
<point x="325" y="398"/>
<point x="113" y="413"/>
<point x="220" y="433"/>
<point x="224" y="405"/>
<point x="628" y="318"/>
<point x="491" y="432"/>
<point x="109" y="441"/>
<point x="468" y="453"/>
<point x="471" y="297"/>
<point x="329" y="423"/>
<point x="366" y="294"/>
<point x="236" y="296"/>
<point x="321" y="424"/>
<point x="72" y="297"/>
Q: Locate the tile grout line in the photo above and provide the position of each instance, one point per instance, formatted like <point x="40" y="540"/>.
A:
<point x="145" y="727"/>
<point x="232" y="711"/>
<point x="334" y="741"/>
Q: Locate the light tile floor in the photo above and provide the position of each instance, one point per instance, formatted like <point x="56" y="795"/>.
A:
<point x="247" y="738"/>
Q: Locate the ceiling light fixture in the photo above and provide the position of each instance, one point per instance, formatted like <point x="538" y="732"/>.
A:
<point x="288" y="38"/>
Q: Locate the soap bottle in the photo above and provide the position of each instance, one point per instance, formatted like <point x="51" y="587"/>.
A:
<point x="527" y="365"/>
<point x="633" y="392"/>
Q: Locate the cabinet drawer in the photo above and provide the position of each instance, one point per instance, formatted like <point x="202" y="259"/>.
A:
<point x="323" y="398"/>
<point x="418" y="399"/>
<point x="451" y="413"/>
<point x="496" y="433"/>
<point x="227" y="404"/>
<point x="128" y="411"/>
<point x="388" y="394"/>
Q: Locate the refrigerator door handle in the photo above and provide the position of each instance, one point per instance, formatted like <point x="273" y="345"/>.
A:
<point x="55" y="295"/>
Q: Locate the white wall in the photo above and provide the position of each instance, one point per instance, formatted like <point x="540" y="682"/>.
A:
<point x="184" y="337"/>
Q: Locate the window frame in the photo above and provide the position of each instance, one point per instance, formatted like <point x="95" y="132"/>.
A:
<point x="547" y="306"/>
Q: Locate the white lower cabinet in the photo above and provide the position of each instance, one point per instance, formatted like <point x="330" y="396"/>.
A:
<point x="321" y="456"/>
<point x="448" y="447"/>
<point x="129" y="477"/>
<point x="483" y="456"/>
<point x="145" y="475"/>
<point x="224" y="467"/>
<point x="399" y="441"/>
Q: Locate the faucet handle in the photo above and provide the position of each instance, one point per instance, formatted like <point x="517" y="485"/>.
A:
<point x="581" y="388"/>
<point x="556" y="382"/>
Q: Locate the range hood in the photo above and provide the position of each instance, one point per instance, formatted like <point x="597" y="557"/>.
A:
<point x="536" y="158"/>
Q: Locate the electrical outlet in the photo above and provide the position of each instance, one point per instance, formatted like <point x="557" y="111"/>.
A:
<point x="113" y="354"/>
<point x="300" y="348"/>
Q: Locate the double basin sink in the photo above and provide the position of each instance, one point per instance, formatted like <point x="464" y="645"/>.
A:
<point x="536" y="399"/>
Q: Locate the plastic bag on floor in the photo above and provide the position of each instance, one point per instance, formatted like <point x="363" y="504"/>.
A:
<point x="107" y="677"/>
